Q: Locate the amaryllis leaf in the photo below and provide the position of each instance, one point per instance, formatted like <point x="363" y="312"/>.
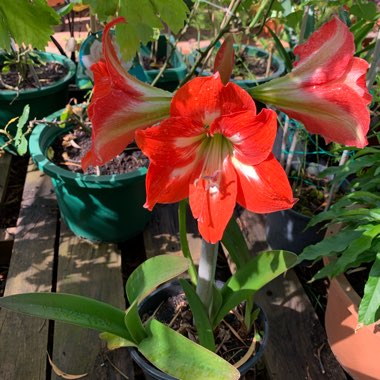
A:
<point x="70" y="308"/>
<point x="152" y="273"/>
<point x="234" y="242"/>
<point x="281" y="50"/>
<point x="134" y="323"/>
<point x="252" y="277"/>
<point x="369" y="310"/>
<point x="201" y="319"/>
<point x="114" y="342"/>
<point x="182" y="358"/>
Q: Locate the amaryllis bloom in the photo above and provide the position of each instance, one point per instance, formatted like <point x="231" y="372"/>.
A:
<point x="326" y="90"/>
<point x="215" y="150"/>
<point x="120" y="105"/>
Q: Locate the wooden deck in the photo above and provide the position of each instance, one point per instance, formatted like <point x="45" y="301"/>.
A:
<point x="46" y="256"/>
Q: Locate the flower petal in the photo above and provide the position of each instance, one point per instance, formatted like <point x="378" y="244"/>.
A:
<point x="172" y="143"/>
<point x="263" y="188"/>
<point x="206" y="98"/>
<point x="120" y="105"/>
<point x="327" y="89"/>
<point x="213" y="206"/>
<point x="168" y="184"/>
<point x="252" y="136"/>
<point x="334" y="111"/>
<point x="325" y="55"/>
<point x="225" y="59"/>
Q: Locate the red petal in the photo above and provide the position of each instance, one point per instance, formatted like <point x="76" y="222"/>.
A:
<point x="206" y="98"/>
<point x="335" y="111"/>
<point x="120" y="105"/>
<point x="214" y="207"/>
<point x="252" y="136"/>
<point x="168" y="184"/>
<point x="263" y="188"/>
<point x="171" y="143"/>
<point x="325" y="55"/>
<point x="225" y="59"/>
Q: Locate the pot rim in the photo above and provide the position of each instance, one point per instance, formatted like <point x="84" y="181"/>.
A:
<point x="149" y="368"/>
<point x="41" y="139"/>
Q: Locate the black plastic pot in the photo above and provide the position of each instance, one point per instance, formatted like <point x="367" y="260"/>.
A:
<point x="287" y="230"/>
<point x="150" y="304"/>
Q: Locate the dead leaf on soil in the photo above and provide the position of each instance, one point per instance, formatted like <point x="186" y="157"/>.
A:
<point x="62" y="374"/>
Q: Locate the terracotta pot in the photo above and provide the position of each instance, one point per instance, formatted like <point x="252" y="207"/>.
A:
<point x="357" y="350"/>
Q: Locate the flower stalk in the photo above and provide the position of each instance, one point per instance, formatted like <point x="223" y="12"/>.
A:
<point x="206" y="273"/>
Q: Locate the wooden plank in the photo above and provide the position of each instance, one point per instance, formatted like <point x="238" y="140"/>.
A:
<point x="297" y="347"/>
<point x="5" y="166"/>
<point x="162" y="237"/>
<point x="23" y="339"/>
<point x="92" y="270"/>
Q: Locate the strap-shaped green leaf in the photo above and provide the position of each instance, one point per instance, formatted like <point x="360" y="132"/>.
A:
<point x="235" y="244"/>
<point x="134" y="323"/>
<point x="152" y="273"/>
<point x="202" y="322"/>
<point x="255" y="274"/>
<point x="182" y="358"/>
<point x="369" y="310"/>
<point x="69" y="308"/>
<point x="114" y="342"/>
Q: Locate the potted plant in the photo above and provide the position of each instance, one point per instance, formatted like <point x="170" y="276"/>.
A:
<point x="96" y="206"/>
<point x="28" y="76"/>
<point x="350" y="253"/>
<point x="212" y="147"/>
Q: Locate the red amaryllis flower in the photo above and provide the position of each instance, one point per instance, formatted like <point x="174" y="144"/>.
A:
<point x="215" y="150"/>
<point x="326" y="90"/>
<point x="120" y="104"/>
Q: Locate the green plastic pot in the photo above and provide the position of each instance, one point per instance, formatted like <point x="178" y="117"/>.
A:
<point x="172" y="76"/>
<point x="106" y="208"/>
<point x="252" y="51"/>
<point x="42" y="101"/>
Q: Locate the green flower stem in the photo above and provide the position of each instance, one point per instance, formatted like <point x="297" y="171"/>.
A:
<point x="183" y="239"/>
<point x="206" y="273"/>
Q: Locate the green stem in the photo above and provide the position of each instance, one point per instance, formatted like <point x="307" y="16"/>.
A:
<point x="174" y="46"/>
<point x="223" y="29"/>
<point x="183" y="239"/>
<point x="258" y="14"/>
<point x="206" y="273"/>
